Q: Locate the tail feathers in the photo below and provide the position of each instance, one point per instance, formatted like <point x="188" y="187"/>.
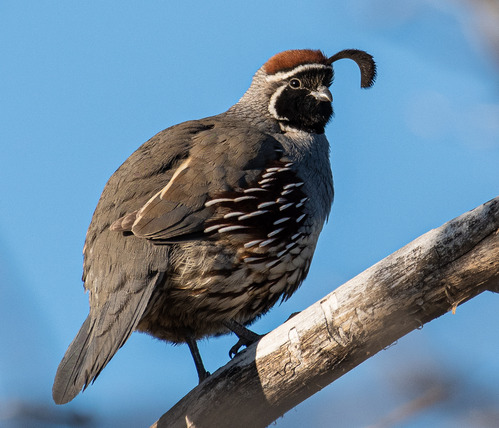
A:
<point x="71" y="377"/>
<point x="99" y="338"/>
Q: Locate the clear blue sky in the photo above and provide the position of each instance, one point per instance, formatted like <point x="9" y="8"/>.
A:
<point x="83" y="84"/>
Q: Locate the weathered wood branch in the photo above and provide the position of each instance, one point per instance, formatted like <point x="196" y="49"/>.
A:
<point x="422" y="281"/>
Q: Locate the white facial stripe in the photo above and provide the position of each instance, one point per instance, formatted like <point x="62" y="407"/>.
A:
<point x="287" y="128"/>
<point x="285" y="74"/>
<point x="273" y="100"/>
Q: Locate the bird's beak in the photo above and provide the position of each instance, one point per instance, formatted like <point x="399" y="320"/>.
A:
<point x="322" y="94"/>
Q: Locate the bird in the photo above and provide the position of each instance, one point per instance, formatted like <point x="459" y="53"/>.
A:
<point x="211" y="222"/>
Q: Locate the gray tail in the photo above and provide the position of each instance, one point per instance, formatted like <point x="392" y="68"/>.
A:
<point x="75" y="371"/>
<point x="100" y="336"/>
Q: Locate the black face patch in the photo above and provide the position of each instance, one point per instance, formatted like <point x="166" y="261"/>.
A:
<point x="299" y="108"/>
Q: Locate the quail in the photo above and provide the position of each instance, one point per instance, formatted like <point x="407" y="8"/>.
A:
<point x="211" y="222"/>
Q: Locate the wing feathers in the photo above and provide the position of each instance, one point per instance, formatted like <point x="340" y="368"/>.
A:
<point x="100" y="336"/>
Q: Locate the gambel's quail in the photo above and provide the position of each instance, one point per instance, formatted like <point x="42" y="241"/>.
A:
<point x="212" y="221"/>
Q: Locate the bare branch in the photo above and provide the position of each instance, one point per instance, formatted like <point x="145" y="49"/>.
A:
<point x="423" y="280"/>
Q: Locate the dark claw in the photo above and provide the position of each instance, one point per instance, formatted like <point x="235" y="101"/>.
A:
<point x="246" y="336"/>
<point x="241" y="342"/>
<point x="235" y="349"/>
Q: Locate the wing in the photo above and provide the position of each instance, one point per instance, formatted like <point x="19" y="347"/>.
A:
<point x="174" y="213"/>
<point x="121" y="272"/>
<point x="222" y="159"/>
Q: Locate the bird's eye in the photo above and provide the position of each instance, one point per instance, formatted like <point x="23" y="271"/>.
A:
<point x="295" y="83"/>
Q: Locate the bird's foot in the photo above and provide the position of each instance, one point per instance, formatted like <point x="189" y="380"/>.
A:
<point x="240" y="343"/>
<point x="246" y="336"/>
<point x="203" y="374"/>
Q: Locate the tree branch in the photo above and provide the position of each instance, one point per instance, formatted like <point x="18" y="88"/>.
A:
<point x="423" y="280"/>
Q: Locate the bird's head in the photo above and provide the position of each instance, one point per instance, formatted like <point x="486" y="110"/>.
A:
<point x="293" y="87"/>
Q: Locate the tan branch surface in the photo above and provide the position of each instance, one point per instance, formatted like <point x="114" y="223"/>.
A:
<point x="427" y="278"/>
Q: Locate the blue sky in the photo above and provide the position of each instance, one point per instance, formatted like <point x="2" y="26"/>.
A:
<point x="83" y="84"/>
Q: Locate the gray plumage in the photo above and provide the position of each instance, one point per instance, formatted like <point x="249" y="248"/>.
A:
<point x="209" y="221"/>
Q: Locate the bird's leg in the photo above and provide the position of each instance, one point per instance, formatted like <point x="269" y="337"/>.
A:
<point x="193" y="347"/>
<point x="246" y="336"/>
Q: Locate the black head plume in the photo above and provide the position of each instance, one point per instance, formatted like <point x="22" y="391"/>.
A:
<point x="364" y="61"/>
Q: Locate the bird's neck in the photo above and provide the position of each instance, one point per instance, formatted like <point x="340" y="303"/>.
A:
<point x="254" y="106"/>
